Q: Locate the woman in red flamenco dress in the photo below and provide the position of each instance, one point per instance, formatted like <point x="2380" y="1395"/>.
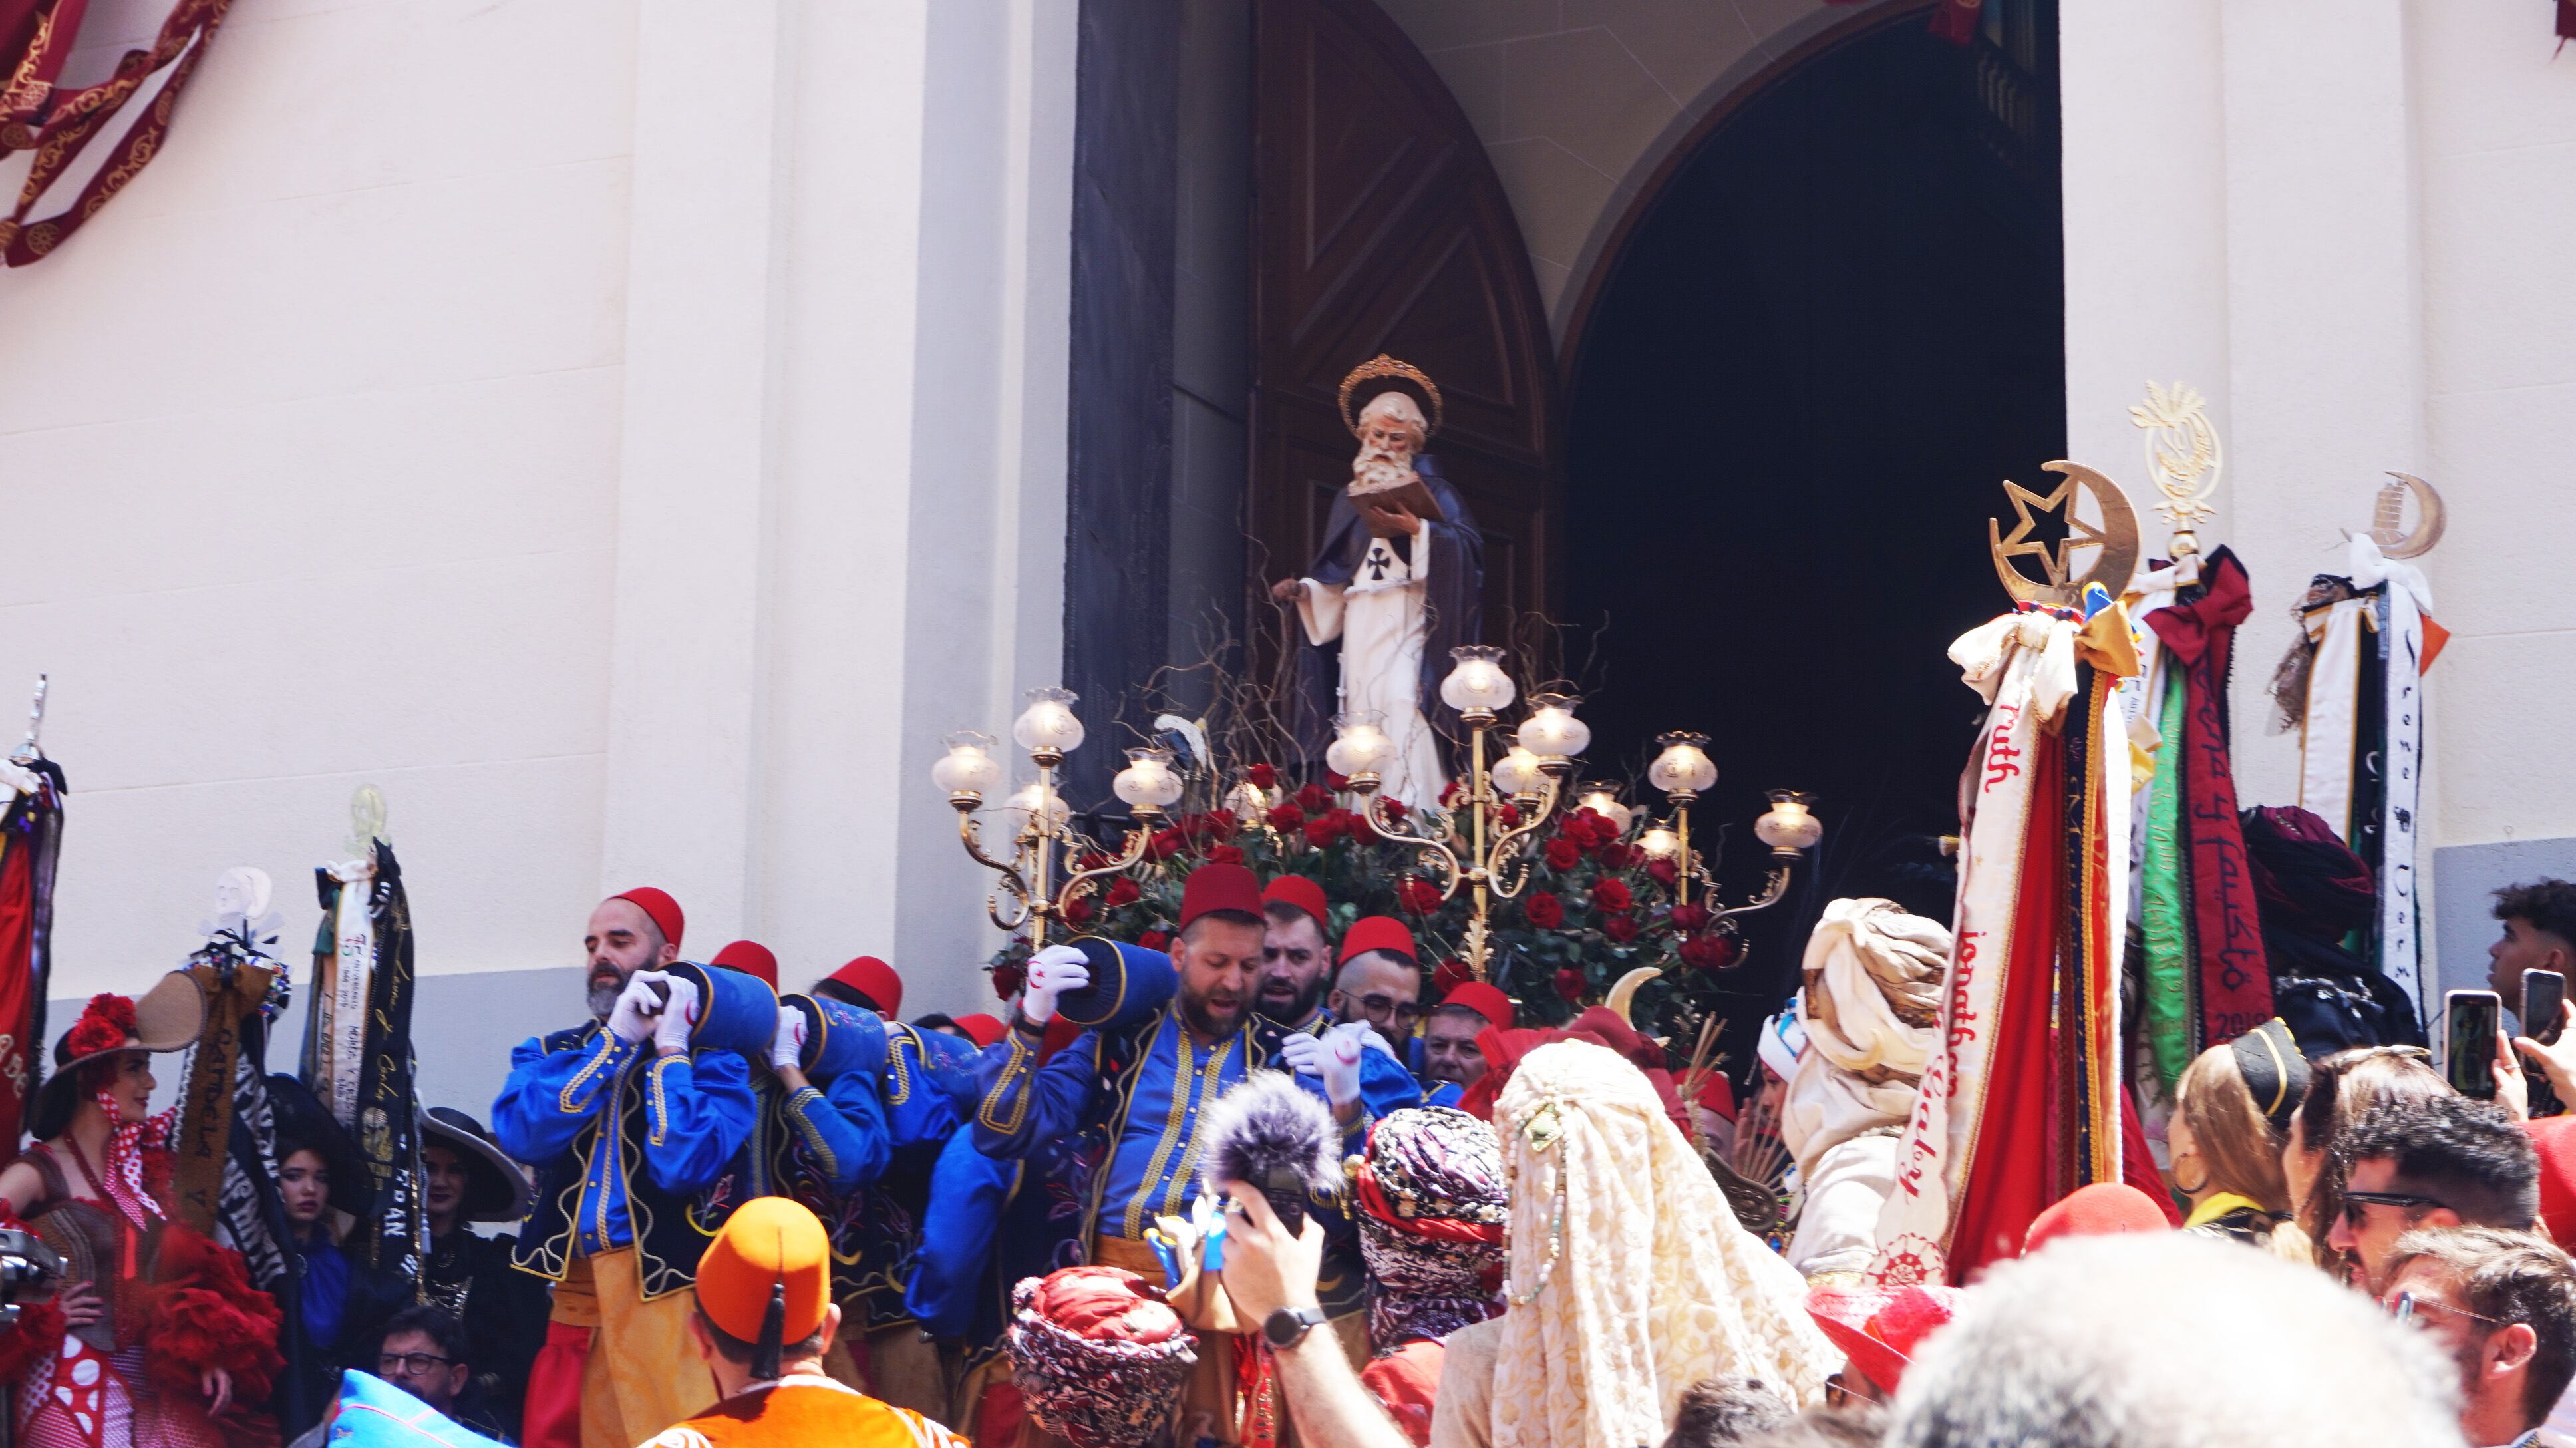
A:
<point x="155" y="1337"/>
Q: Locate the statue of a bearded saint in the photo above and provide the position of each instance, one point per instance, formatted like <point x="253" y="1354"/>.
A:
<point x="1398" y="583"/>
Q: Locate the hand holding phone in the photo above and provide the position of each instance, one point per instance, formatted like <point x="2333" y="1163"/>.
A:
<point x="2472" y="1022"/>
<point x="2544" y="1006"/>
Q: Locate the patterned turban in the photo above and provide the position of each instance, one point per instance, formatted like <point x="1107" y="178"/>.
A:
<point x="1432" y="1207"/>
<point x="1098" y="1357"/>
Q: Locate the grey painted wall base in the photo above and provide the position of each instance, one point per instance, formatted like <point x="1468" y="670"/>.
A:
<point x="463" y="1027"/>
<point x="2465" y="879"/>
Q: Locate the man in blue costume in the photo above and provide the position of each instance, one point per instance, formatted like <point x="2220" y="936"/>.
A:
<point x="624" y="1127"/>
<point x="1135" y="1096"/>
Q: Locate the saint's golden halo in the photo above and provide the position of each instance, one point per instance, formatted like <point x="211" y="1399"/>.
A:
<point x="1395" y="373"/>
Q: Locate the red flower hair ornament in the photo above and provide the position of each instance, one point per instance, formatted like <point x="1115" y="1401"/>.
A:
<point x="105" y="1024"/>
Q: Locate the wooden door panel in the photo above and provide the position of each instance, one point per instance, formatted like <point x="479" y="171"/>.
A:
<point x="1379" y="226"/>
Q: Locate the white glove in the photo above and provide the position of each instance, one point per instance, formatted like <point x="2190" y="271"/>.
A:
<point x="1303" y="1054"/>
<point x="1375" y="1040"/>
<point x="1052" y="972"/>
<point x="632" y="1017"/>
<point x="1339" y="1061"/>
<point x="671" y="1031"/>
<point x="787" y="1048"/>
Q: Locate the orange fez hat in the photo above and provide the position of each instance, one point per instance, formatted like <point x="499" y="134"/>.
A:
<point x="767" y="1277"/>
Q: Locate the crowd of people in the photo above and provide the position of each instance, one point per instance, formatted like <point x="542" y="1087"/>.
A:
<point x="1257" y="1189"/>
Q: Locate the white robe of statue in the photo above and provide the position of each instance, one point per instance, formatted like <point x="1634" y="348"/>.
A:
<point x="1380" y="618"/>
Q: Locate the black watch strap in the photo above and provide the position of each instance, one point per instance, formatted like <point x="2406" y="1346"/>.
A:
<point x="1288" y="1326"/>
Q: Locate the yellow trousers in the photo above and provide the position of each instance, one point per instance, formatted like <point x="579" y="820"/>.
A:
<point x="644" y="1372"/>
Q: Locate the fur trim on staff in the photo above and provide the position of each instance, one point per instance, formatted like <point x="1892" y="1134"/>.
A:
<point x="1266" y="1128"/>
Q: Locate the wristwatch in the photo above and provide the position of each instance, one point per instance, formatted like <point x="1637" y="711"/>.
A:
<point x="1288" y="1326"/>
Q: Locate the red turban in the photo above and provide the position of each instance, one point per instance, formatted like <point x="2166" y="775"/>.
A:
<point x="664" y="910"/>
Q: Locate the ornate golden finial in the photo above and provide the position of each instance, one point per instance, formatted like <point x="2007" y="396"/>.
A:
<point x="1382" y="365"/>
<point x="2388" y="517"/>
<point x="2182" y="457"/>
<point x="2117" y="538"/>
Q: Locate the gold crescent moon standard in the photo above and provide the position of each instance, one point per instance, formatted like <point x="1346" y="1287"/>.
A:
<point x="2117" y="538"/>
<point x="1625" y="990"/>
<point x="2429" y="521"/>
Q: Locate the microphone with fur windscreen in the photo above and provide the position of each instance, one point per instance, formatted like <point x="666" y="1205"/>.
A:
<point x="1274" y="1135"/>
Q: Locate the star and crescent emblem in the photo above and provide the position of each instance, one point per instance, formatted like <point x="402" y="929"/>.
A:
<point x="2115" y="539"/>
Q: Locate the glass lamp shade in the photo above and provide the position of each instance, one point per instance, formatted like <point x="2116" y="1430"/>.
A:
<point x="1148" y="783"/>
<point x="1361" y="747"/>
<point x="1048" y="723"/>
<point x="1551" y="731"/>
<point x="968" y="768"/>
<point x="1659" y="842"/>
<point x="1478" y="681"/>
<point x="1788" y="824"/>
<point x="1249" y="801"/>
<point x="1517" y="772"/>
<point x="1022" y="807"/>
<point x="1684" y="767"/>
<point x="1603" y="800"/>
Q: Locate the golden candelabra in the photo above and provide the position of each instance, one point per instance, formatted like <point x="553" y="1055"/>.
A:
<point x="1041" y="822"/>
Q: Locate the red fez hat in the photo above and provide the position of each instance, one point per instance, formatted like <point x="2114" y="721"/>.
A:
<point x="1301" y="893"/>
<point x="1719" y="1095"/>
<point x="874" y="979"/>
<point x="1484" y="998"/>
<point x="2102" y="1209"/>
<point x="751" y="958"/>
<point x="1880" y="1329"/>
<point x="664" y="910"/>
<point x="1220" y="887"/>
<point x="1378" y="932"/>
<point x="982" y="1029"/>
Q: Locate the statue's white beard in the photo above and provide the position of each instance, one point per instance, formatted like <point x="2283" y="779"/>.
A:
<point x="1376" y="474"/>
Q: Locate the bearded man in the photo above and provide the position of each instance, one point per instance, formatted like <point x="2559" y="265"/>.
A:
<point x="1392" y="590"/>
<point x="623" y="1125"/>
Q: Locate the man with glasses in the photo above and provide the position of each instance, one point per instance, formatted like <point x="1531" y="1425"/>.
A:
<point x="2444" y="1162"/>
<point x="423" y="1353"/>
<point x="2503" y="1307"/>
<point x="1380" y="981"/>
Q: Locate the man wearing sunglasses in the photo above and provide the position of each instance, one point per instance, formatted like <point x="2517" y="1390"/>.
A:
<point x="2503" y="1307"/>
<point x="2445" y="1162"/>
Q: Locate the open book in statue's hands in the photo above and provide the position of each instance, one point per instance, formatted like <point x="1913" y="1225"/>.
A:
<point x="1389" y="498"/>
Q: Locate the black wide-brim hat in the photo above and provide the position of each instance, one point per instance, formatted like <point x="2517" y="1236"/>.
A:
<point x="304" y="1122"/>
<point x="168" y="1017"/>
<point x="495" y="1189"/>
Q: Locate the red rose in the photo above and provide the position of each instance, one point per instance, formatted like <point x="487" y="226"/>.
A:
<point x="1611" y="895"/>
<point x="1417" y="895"/>
<point x="1008" y="977"/>
<point x="1322" y="831"/>
<point x="1620" y="928"/>
<point x="1452" y="792"/>
<point x="1154" y="940"/>
<point x="1448" y="975"/>
<point x="1662" y="870"/>
<point x="1314" y="799"/>
<point x="1543" y="910"/>
<point x="1689" y="916"/>
<point x="1078" y="912"/>
<point x="1563" y="854"/>
<point x="103" y="1025"/>
<point x="1221" y="823"/>
<point x="1711" y="952"/>
<point x="1164" y="844"/>
<point x="1287" y="819"/>
<point x="1123" y="891"/>
<point x="1091" y="860"/>
<point x="1569" y="985"/>
<point x="1509" y="814"/>
<point x="1262" y="776"/>
<point x="1337" y="780"/>
<point x="1578" y="827"/>
<point x="1395" y="811"/>
<point x="1617" y="856"/>
<point x="1224" y="855"/>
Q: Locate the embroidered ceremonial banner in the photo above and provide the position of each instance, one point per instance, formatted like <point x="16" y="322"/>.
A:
<point x="31" y="834"/>
<point x="201" y="1148"/>
<point x="396" y="1239"/>
<point x="344" y="960"/>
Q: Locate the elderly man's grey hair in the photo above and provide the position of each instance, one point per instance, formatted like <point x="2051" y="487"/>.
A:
<point x="2168" y="1341"/>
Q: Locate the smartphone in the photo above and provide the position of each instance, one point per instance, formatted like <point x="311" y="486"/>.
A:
<point x="2470" y="1020"/>
<point x="2544" y="992"/>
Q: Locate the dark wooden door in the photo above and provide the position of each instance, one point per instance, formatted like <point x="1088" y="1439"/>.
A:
<point x="1379" y="226"/>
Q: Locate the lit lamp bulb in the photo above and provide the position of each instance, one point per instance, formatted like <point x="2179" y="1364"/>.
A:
<point x="1518" y="772"/>
<point x="1551" y="731"/>
<point x="1148" y="784"/>
<point x="1603" y="800"/>
<point x="1659" y="842"/>
<point x="1360" y="751"/>
<point x="1477" y="685"/>
<point x="968" y="770"/>
<point x="1048" y="726"/>
<point x="1684" y="767"/>
<point x="1248" y="801"/>
<point x="1788" y="826"/>
<point x="1020" y="811"/>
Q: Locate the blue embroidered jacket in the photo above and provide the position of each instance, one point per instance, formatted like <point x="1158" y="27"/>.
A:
<point x="587" y="1110"/>
<point x="924" y="1093"/>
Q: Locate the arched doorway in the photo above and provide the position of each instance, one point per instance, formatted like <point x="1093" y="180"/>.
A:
<point x="1824" y="339"/>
